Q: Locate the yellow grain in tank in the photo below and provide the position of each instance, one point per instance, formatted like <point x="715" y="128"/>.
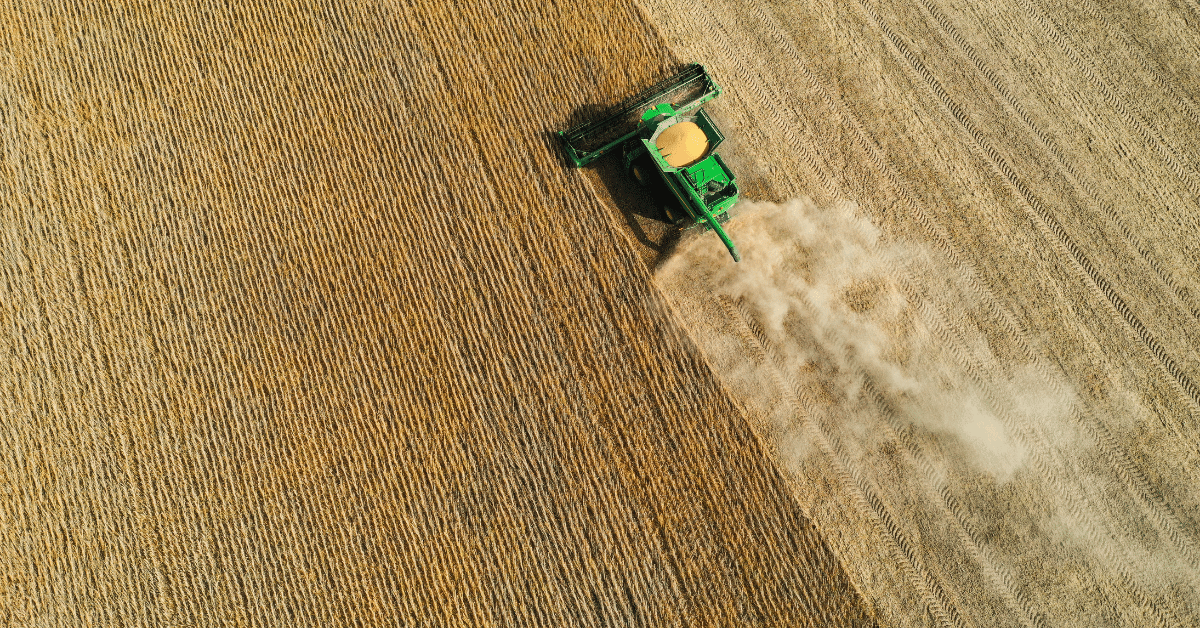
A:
<point x="682" y="144"/>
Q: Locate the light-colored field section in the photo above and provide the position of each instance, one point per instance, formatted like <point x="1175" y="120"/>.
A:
<point x="975" y="350"/>
<point x="304" y="322"/>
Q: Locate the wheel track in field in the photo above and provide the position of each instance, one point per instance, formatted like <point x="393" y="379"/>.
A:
<point x="805" y="410"/>
<point x="1149" y="498"/>
<point x="1045" y="220"/>
<point x="1168" y="521"/>
<point x="890" y="171"/>
<point x="940" y="604"/>
<point x="1134" y="479"/>
<point x="1187" y="175"/>
<point x="1147" y="495"/>
<point x="1064" y="164"/>
<point x="950" y="507"/>
<point x="1077" y="506"/>
<point x="1135" y="53"/>
<point x="1194" y="6"/>
<point x="885" y="166"/>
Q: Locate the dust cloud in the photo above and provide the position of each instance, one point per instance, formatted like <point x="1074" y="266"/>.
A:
<point x="881" y="358"/>
<point x="834" y="303"/>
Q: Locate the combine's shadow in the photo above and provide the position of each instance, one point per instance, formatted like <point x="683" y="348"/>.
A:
<point x="641" y="207"/>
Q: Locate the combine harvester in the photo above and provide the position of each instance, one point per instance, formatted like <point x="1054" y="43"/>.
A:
<point x="668" y="142"/>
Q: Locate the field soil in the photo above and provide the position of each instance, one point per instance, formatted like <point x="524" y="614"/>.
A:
<point x="306" y="322"/>
<point x="966" y="325"/>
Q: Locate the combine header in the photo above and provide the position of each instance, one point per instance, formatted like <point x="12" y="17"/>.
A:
<point x="668" y="142"/>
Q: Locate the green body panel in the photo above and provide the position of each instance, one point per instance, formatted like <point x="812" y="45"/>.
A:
<point x="706" y="189"/>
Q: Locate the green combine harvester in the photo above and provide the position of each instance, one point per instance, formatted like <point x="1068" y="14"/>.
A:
<point x="669" y="145"/>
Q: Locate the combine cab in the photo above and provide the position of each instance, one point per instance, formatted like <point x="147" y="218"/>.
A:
<point x="668" y="142"/>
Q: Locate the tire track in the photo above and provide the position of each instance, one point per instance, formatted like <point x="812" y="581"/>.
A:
<point x="885" y="166"/>
<point x="953" y="339"/>
<point x="1065" y="165"/>
<point x="1046" y="220"/>
<point x="1141" y="491"/>
<point x="1135" y="481"/>
<point x="999" y="314"/>
<point x="1149" y="499"/>
<point x="1168" y="522"/>
<point x="805" y="410"/>
<point x="968" y="537"/>
<point x="1164" y="515"/>
<point x="835" y="179"/>
<point x="1094" y="12"/>
<point x="1187" y="175"/>
<point x="1194" y="5"/>
<point x="1036" y="444"/>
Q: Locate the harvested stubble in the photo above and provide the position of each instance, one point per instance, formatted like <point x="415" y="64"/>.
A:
<point x="1039" y="162"/>
<point x="306" y="323"/>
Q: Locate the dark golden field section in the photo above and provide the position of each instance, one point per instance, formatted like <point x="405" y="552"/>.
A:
<point x="304" y="320"/>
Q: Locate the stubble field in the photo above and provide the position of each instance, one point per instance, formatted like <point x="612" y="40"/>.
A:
<point x="307" y="323"/>
<point x="967" y="321"/>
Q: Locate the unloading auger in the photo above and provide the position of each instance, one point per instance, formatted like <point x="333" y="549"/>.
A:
<point x="668" y="140"/>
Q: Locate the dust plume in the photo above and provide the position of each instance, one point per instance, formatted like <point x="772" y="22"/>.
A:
<point x="878" y="367"/>
<point x="835" y="308"/>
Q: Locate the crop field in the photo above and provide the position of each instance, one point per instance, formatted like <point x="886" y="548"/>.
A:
<point x="304" y="320"/>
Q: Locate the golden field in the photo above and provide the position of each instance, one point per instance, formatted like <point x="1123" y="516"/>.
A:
<point x="305" y="323"/>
